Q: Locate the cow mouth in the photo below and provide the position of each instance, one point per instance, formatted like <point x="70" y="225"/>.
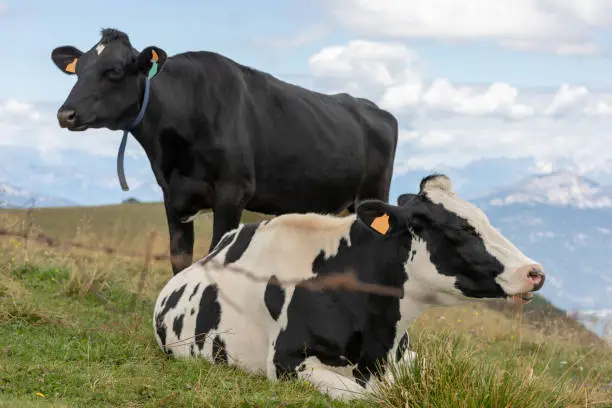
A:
<point x="79" y="128"/>
<point x="523" y="298"/>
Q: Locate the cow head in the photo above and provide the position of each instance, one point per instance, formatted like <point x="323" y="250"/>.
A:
<point x="455" y="252"/>
<point x="110" y="82"/>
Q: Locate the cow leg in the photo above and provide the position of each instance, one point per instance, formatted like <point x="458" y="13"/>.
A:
<point x="181" y="242"/>
<point x="229" y="204"/>
<point x="328" y="381"/>
<point x="400" y="355"/>
<point x="376" y="186"/>
<point x="351" y="208"/>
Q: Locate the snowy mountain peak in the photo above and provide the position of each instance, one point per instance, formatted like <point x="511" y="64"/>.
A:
<point x="11" y="196"/>
<point x="562" y="188"/>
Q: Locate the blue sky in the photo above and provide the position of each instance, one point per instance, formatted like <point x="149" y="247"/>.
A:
<point x="526" y="86"/>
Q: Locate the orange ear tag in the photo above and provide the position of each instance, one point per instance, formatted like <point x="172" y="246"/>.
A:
<point x="154" y="56"/>
<point x="381" y="224"/>
<point x="72" y="66"/>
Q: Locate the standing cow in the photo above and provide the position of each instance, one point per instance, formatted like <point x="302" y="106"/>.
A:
<point x="223" y="136"/>
<point x="434" y="249"/>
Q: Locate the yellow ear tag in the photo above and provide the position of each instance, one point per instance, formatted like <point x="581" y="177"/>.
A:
<point x="381" y="224"/>
<point x="72" y="66"/>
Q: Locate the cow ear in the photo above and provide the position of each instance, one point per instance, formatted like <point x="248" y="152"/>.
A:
<point x="151" y="60"/>
<point x="379" y="216"/>
<point x="405" y="199"/>
<point x="66" y="58"/>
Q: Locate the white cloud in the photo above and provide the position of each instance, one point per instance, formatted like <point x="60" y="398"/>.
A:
<point x="18" y="110"/>
<point x="554" y="281"/>
<point x="497" y="98"/>
<point x="365" y="64"/>
<point x="302" y="38"/>
<point x="559" y="26"/>
<point x="457" y="141"/>
<point x="26" y="125"/>
<point x="390" y="72"/>
<point x="601" y="108"/>
<point x="457" y="124"/>
<point x="582" y="48"/>
<point x="568" y="98"/>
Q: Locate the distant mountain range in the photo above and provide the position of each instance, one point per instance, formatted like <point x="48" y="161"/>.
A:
<point x="14" y="197"/>
<point x="561" y="188"/>
<point x="564" y="221"/>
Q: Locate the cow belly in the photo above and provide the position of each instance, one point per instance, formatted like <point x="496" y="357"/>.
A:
<point x="208" y="318"/>
<point x="300" y="190"/>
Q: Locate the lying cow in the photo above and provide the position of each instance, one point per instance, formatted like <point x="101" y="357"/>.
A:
<point x="434" y="248"/>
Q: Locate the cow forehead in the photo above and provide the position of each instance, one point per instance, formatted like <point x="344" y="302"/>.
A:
<point x="100" y="48"/>
<point x="457" y="205"/>
<point x="104" y="55"/>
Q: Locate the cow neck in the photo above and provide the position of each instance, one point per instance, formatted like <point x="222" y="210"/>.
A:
<point x="136" y="122"/>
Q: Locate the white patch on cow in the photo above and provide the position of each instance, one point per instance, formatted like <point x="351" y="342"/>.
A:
<point x="441" y="183"/>
<point x="332" y="380"/>
<point x="100" y="48"/>
<point x="426" y="286"/>
<point x="496" y="244"/>
<point x="304" y="236"/>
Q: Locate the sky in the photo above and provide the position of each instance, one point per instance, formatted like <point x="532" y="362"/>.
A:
<point x="487" y="90"/>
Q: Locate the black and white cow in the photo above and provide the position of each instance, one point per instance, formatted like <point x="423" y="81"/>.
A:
<point x="435" y="248"/>
<point x="223" y="136"/>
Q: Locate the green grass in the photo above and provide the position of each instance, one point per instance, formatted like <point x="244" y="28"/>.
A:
<point x="76" y="331"/>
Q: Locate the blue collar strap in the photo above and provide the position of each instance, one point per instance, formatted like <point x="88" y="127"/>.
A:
<point x="143" y="108"/>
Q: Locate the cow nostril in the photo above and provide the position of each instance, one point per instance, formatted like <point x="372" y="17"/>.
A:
<point x="537" y="277"/>
<point x="66" y="117"/>
<point x="534" y="273"/>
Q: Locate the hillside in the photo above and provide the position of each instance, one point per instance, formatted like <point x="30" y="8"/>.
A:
<point x="117" y="226"/>
<point x="90" y="312"/>
<point x="564" y="221"/>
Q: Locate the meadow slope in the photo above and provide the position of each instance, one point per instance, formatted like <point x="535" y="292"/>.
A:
<point x="76" y="330"/>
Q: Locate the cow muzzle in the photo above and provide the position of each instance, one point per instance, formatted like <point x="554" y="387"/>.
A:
<point x="532" y="277"/>
<point x="68" y="119"/>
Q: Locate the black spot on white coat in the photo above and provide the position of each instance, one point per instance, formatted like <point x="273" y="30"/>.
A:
<point x="195" y="290"/>
<point x="442" y="231"/>
<point x="402" y="346"/>
<point x="177" y="325"/>
<point x="242" y="242"/>
<point x="225" y="241"/>
<point x="337" y="326"/>
<point x="218" y="351"/>
<point x="209" y="315"/>
<point x="274" y="297"/>
<point x="160" y="325"/>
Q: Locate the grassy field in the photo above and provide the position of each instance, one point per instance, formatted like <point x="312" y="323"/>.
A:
<point x="76" y="331"/>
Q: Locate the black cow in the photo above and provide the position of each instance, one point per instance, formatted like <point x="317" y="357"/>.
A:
<point x="222" y="136"/>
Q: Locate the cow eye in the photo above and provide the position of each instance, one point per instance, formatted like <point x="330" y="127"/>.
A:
<point x="114" y="74"/>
